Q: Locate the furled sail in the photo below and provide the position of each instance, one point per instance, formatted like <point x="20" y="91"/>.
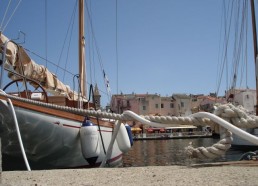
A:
<point x="21" y="62"/>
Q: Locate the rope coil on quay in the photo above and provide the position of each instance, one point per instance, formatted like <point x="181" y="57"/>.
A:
<point x="227" y="117"/>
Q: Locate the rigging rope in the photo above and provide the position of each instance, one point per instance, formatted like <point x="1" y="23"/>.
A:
<point x="11" y="15"/>
<point x="235" y="16"/>
<point x="227" y="29"/>
<point x="5" y="14"/>
<point x="46" y="36"/>
<point x="106" y="82"/>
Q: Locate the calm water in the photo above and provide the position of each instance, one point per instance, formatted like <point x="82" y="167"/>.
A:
<point x="150" y="153"/>
<point x="170" y="152"/>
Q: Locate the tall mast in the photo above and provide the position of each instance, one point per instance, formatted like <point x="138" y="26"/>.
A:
<point x="255" y="51"/>
<point x="82" y="66"/>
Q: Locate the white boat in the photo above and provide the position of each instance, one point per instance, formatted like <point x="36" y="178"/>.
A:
<point x="244" y="97"/>
<point x="54" y="130"/>
<point x="178" y="132"/>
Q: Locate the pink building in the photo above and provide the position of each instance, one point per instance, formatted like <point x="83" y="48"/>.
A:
<point x="142" y="104"/>
<point x="154" y="104"/>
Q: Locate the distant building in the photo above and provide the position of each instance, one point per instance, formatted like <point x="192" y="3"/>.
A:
<point x="142" y="104"/>
<point x="182" y="103"/>
<point x="154" y="104"/>
<point x="244" y="97"/>
<point x="207" y="103"/>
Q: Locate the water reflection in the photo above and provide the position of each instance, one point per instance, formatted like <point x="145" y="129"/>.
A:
<point x="148" y="153"/>
<point x="170" y="152"/>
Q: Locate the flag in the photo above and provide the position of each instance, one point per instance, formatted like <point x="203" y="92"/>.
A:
<point x="107" y="82"/>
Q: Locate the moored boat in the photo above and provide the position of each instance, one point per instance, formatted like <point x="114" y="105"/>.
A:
<point x="42" y="118"/>
<point x="176" y="132"/>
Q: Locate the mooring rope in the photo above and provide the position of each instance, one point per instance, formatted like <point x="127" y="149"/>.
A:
<point x="228" y="113"/>
<point x="214" y="151"/>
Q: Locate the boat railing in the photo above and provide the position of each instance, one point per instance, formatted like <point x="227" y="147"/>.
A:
<point x="174" y="134"/>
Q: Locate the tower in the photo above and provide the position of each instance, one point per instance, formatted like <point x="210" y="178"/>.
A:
<point x="97" y="97"/>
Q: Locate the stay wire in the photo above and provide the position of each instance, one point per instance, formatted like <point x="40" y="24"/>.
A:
<point x="97" y="48"/>
<point x="66" y="36"/>
<point x="11" y="15"/>
<point x="226" y="43"/>
<point x="117" y="64"/>
<point x="7" y="8"/>
<point x="52" y="63"/>
<point x="90" y="49"/>
<point x="46" y="36"/>
<point x="68" y="49"/>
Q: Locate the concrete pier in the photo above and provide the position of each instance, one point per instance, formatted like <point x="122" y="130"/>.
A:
<point x="214" y="174"/>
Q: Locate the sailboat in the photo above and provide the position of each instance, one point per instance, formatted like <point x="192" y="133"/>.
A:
<point x="48" y="116"/>
<point x="246" y="98"/>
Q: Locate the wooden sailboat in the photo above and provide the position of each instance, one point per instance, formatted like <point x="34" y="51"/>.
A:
<point x="248" y="98"/>
<point x="52" y="135"/>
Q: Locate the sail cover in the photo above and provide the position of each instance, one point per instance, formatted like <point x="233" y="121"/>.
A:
<point x="21" y="62"/>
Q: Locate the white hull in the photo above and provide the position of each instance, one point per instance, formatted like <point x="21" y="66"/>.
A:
<point x="49" y="139"/>
<point x="242" y="144"/>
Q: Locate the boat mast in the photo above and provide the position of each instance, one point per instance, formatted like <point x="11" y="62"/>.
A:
<point x="255" y="51"/>
<point x="82" y="66"/>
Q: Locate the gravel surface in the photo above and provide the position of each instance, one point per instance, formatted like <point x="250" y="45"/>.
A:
<point x="153" y="175"/>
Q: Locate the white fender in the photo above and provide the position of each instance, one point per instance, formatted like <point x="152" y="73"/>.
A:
<point x="89" y="136"/>
<point x="122" y="139"/>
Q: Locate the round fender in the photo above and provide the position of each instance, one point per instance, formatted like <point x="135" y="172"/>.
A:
<point x="130" y="134"/>
<point x="89" y="136"/>
<point x="122" y="139"/>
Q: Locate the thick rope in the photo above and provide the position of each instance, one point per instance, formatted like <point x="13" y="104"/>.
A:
<point x="237" y="116"/>
<point x="214" y="151"/>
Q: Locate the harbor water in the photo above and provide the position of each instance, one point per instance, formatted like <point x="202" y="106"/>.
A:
<point x="149" y="153"/>
<point x="171" y="152"/>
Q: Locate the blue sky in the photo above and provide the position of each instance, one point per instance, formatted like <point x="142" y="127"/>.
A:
<point x="163" y="46"/>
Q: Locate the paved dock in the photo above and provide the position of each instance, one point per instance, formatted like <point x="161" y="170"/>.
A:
<point x="237" y="173"/>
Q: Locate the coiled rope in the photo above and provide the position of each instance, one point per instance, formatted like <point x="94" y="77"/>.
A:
<point x="234" y="117"/>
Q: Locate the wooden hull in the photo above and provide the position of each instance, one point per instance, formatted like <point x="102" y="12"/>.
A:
<point x="50" y="136"/>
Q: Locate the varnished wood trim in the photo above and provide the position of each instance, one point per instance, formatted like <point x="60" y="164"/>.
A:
<point x="55" y="112"/>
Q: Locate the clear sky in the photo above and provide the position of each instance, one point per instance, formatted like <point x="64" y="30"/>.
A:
<point x="155" y="46"/>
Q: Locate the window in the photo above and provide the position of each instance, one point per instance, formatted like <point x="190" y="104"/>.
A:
<point x="194" y="99"/>
<point x="162" y="105"/>
<point x="157" y="105"/>
<point x="182" y="104"/>
<point x="143" y="107"/>
<point x="171" y="105"/>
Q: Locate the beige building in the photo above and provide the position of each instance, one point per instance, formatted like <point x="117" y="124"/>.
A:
<point x="142" y="104"/>
<point x="154" y="104"/>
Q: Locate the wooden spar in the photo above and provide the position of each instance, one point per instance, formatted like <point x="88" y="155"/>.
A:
<point x="255" y="51"/>
<point x="82" y="66"/>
